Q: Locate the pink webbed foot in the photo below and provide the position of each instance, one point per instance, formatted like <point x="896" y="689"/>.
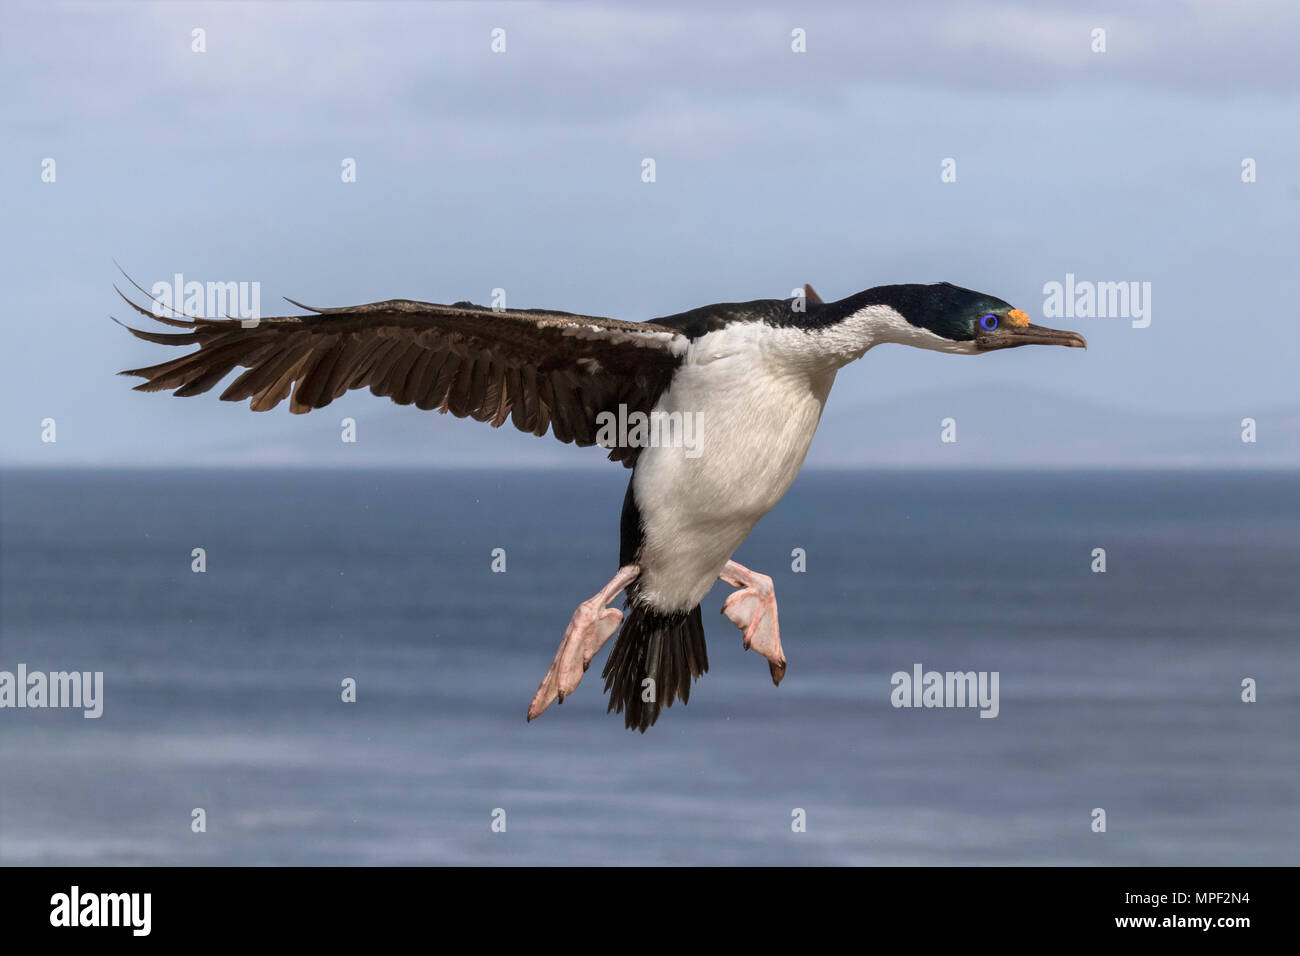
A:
<point x="753" y="610"/>
<point x="590" y="627"/>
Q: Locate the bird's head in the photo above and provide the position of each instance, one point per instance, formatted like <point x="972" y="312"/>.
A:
<point x="949" y="318"/>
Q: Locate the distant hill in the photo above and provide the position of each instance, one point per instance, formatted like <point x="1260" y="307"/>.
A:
<point x="1010" y="427"/>
<point x="1017" y="427"/>
<point x="996" y="427"/>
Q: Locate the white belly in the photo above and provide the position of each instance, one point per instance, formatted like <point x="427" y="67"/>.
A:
<point x="759" y="413"/>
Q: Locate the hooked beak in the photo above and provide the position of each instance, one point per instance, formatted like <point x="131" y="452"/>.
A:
<point x="1009" y="335"/>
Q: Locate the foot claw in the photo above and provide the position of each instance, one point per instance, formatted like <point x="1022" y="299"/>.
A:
<point x="590" y="627"/>
<point x="753" y="610"/>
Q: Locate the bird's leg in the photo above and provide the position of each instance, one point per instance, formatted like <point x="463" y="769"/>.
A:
<point x="753" y="610"/>
<point x="590" y="627"/>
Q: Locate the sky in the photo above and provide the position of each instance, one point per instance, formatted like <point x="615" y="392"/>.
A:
<point x="522" y="170"/>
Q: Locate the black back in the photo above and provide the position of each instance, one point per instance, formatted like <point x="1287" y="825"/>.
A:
<point x="940" y="307"/>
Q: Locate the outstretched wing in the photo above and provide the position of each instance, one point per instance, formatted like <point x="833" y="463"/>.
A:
<point x="540" y="369"/>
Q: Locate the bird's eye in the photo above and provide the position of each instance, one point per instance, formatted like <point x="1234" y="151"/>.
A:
<point x="989" y="322"/>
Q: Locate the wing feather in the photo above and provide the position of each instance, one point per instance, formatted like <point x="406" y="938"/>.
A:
<point x="541" y="370"/>
<point x="435" y="386"/>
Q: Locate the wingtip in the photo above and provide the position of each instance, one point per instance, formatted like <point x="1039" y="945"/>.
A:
<point x="168" y="320"/>
<point x="165" y="320"/>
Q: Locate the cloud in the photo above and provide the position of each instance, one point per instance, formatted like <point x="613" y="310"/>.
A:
<point x="521" y="170"/>
<point x="397" y="69"/>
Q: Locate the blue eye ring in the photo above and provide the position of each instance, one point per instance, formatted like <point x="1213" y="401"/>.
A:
<point x="989" y="322"/>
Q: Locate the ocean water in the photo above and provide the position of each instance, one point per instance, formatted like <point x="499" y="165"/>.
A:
<point x="1119" y="690"/>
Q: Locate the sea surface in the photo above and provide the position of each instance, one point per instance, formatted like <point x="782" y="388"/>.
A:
<point x="222" y="689"/>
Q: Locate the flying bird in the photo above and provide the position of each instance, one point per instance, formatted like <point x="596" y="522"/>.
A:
<point x="755" y="375"/>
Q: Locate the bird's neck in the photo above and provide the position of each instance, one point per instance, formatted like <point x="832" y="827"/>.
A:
<point x="861" y="329"/>
<point x="865" y="326"/>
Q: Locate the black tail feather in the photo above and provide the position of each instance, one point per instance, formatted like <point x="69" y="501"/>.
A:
<point x="668" y="649"/>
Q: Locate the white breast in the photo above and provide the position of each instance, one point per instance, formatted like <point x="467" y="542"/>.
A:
<point x="760" y="392"/>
